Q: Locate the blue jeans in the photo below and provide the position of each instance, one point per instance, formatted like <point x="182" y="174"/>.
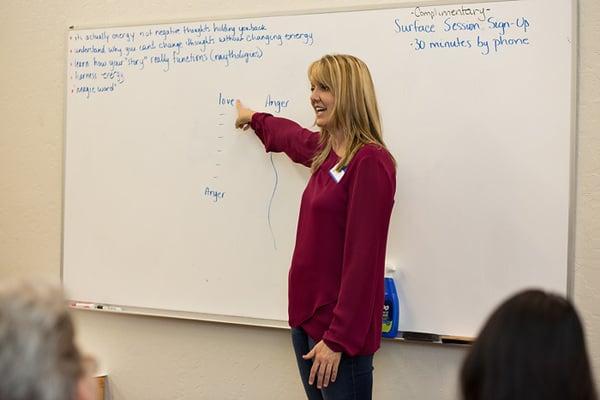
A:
<point x="354" y="379"/>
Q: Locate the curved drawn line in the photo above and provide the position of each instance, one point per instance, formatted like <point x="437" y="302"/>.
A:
<point x="271" y="201"/>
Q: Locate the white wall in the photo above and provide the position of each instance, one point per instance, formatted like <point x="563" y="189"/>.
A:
<point x="153" y="358"/>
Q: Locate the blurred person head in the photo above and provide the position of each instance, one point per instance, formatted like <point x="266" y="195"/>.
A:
<point x="39" y="359"/>
<point x="531" y="347"/>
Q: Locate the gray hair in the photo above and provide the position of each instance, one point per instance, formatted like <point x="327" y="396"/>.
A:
<point x="38" y="357"/>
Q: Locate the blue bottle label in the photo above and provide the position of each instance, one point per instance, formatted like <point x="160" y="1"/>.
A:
<point x="387" y="319"/>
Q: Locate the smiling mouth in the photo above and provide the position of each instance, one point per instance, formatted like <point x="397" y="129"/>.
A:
<point x="320" y="110"/>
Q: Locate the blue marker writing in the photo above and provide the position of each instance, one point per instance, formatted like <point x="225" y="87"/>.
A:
<point x="214" y="194"/>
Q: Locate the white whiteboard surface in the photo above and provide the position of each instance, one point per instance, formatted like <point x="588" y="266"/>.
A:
<point x="167" y="207"/>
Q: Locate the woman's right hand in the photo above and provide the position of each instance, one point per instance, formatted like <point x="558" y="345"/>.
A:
<point x="244" y="116"/>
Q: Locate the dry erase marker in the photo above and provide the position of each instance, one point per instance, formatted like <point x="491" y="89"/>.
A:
<point x="108" y="308"/>
<point x="90" y="306"/>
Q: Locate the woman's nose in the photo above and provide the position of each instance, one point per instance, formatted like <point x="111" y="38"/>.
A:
<point x="314" y="96"/>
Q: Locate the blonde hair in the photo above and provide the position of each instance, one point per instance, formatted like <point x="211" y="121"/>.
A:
<point x="355" y="112"/>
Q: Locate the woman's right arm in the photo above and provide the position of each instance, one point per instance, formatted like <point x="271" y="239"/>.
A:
<point x="280" y="134"/>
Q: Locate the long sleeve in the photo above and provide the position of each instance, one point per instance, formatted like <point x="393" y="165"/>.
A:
<point x="357" y="313"/>
<point x="282" y="135"/>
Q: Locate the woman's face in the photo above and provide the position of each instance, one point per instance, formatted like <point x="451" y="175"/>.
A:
<point x="322" y="101"/>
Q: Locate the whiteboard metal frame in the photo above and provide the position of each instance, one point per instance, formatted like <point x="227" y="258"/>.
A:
<point x="408" y="337"/>
<point x="290" y="13"/>
<point x="574" y="149"/>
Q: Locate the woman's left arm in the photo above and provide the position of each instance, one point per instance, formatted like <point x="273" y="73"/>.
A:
<point x="370" y="201"/>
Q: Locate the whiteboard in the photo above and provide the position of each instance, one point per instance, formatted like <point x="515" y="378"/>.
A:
<point x="168" y="207"/>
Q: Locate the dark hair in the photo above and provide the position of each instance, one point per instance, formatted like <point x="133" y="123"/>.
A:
<point x="532" y="347"/>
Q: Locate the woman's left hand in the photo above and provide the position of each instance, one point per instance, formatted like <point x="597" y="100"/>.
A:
<point x="325" y="364"/>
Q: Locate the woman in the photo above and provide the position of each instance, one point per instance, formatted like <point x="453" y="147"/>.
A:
<point x="335" y="286"/>
<point x="531" y="348"/>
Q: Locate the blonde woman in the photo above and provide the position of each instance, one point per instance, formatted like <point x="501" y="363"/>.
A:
<point x="336" y="275"/>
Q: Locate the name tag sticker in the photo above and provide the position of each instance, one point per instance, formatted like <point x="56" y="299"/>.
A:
<point x="337" y="175"/>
